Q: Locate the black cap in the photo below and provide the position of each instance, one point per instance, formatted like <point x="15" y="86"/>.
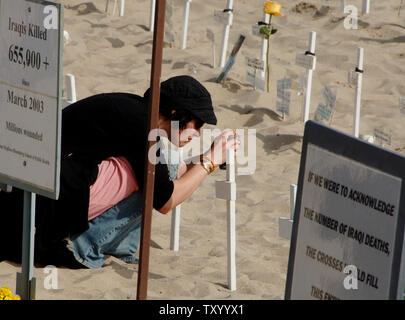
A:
<point x="186" y="93"/>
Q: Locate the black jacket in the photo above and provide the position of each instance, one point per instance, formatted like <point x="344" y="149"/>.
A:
<point x="93" y="129"/>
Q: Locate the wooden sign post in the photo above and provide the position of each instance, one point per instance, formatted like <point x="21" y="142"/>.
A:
<point x="308" y="61"/>
<point x="356" y="79"/>
<point x="153" y="116"/>
<point x="185" y="23"/>
<point x="231" y="59"/>
<point x="285" y="224"/>
<point x="256" y="32"/>
<point x="152" y="15"/>
<point x="366" y="7"/>
<point x="227" y="190"/>
<point x="176" y="215"/>
<point x="226" y="17"/>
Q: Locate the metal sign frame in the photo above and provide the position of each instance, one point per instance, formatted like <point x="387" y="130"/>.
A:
<point x="370" y="156"/>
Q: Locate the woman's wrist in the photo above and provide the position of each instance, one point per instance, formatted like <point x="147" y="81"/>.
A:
<point x="207" y="163"/>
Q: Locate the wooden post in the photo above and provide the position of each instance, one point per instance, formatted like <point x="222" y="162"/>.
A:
<point x="266" y="19"/>
<point x="175" y="229"/>
<point x="307" y="97"/>
<point x="343" y="5"/>
<point x="293" y="197"/>
<point x="176" y="215"/>
<point x="70" y="88"/>
<point x="231" y="222"/>
<point x="149" y="178"/>
<point x="185" y="23"/>
<point x="359" y="72"/>
<point x="225" y="36"/>
<point x="227" y="190"/>
<point x="122" y="8"/>
<point x="26" y="284"/>
<point x="366" y="6"/>
<point x="152" y="15"/>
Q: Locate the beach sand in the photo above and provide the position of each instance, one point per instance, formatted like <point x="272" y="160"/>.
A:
<point x="112" y="53"/>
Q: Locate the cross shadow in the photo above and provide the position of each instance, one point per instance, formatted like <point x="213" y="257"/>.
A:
<point x="85" y="8"/>
<point x="143" y="27"/>
<point x="96" y="25"/>
<point x="392" y="24"/>
<point x="143" y="43"/>
<point x="274" y="144"/>
<point x="258" y="113"/>
<point x="115" y="42"/>
<point x="400" y="39"/>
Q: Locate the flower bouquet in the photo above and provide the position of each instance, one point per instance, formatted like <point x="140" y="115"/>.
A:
<point x="6" y="294"/>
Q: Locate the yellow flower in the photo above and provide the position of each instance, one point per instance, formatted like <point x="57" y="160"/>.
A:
<point x="272" y="8"/>
<point x="5" y="293"/>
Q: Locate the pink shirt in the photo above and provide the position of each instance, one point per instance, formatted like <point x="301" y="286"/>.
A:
<point x="115" y="181"/>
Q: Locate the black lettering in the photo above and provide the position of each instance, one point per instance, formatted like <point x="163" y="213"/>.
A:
<point x="316" y="293"/>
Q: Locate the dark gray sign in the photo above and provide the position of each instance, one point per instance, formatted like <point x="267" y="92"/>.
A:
<point x="348" y="231"/>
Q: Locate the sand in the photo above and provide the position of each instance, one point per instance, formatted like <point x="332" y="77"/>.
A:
<point x="112" y="53"/>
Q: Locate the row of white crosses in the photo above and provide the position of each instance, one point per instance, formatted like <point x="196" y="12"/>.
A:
<point x="225" y="17"/>
<point x="324" y="111"/>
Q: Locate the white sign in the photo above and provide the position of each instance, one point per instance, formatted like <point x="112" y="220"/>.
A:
<point x="283" y="105"/>
<point x="30" y="82"/>
<point x="402" y="105"/>
<point x="325" y="111"/>
<point x="256" y="30"/>
<point x="223" y="17"/>
<point x="255" y="63"/>
<point x="303" y="81"/>
<point x="382" y="135"/>
<point x="256" y="81"/>
<point x="353" y="77"/>
<point x="348" y="218"/>
<point x="329" y="96"/>
<point x="307" y="61"/>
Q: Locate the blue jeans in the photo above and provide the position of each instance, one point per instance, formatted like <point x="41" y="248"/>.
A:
<point x="115" y="232"/>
